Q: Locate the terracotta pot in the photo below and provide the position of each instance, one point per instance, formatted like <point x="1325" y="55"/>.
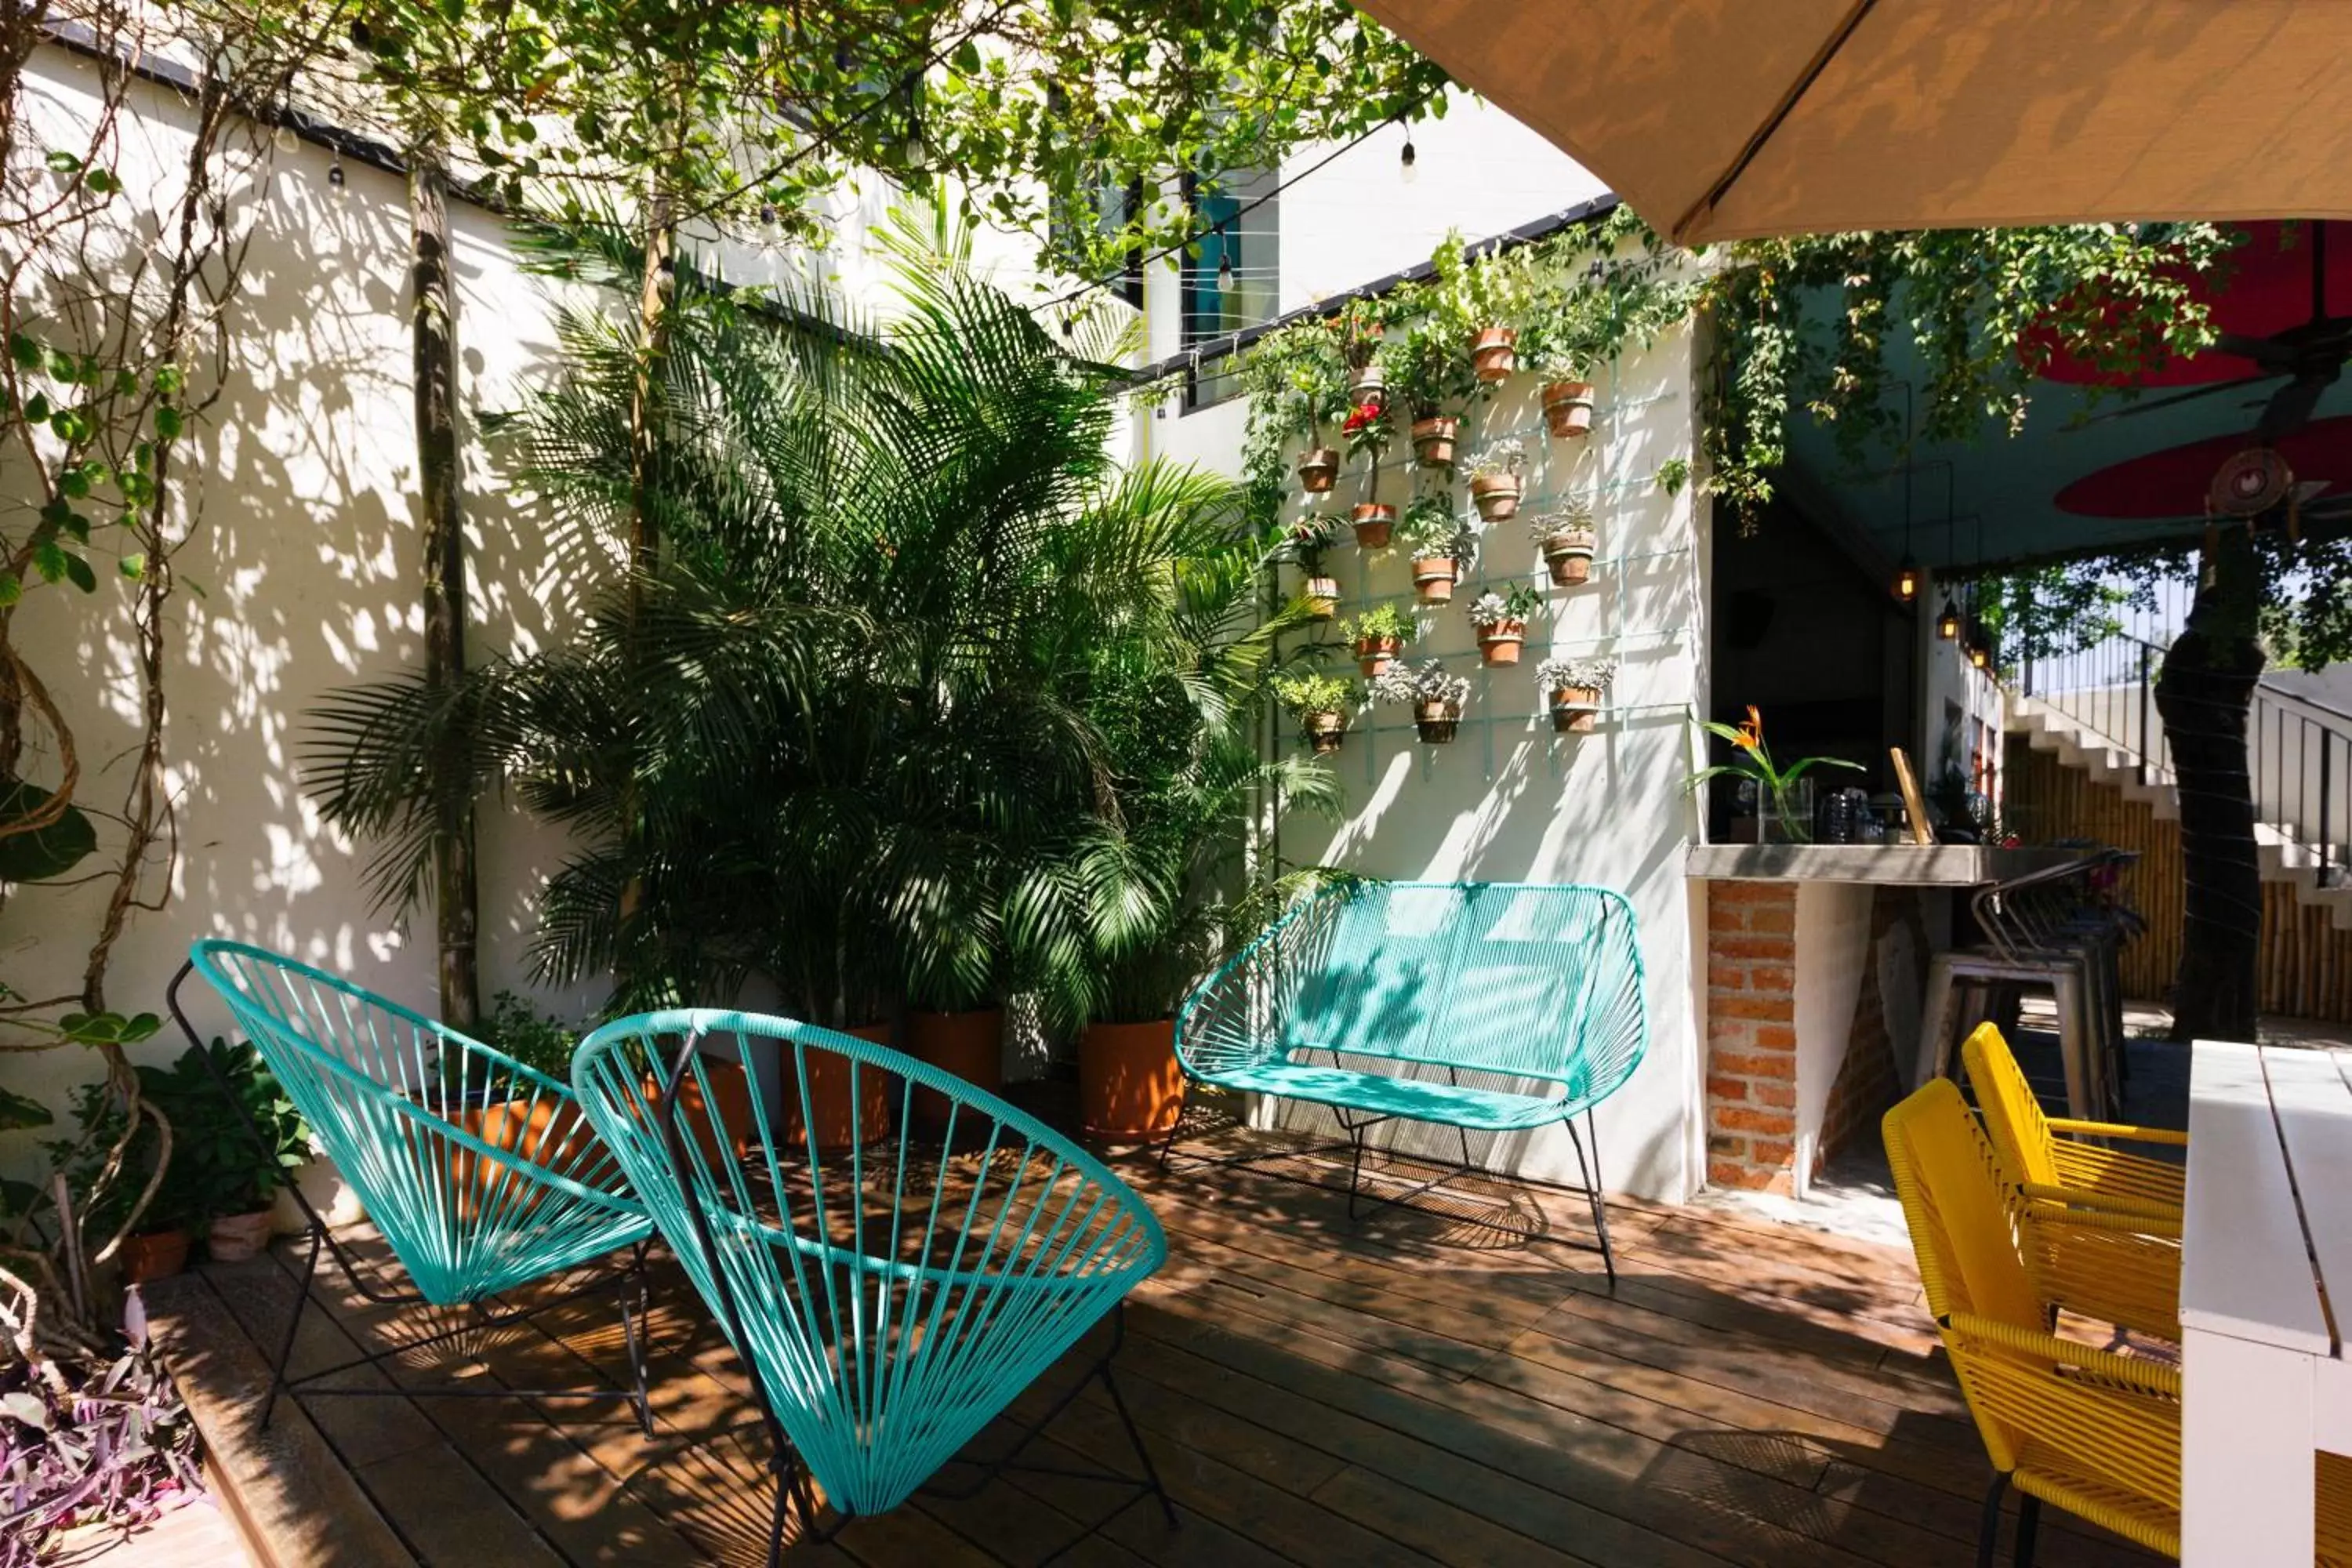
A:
<point x="1568" y="406"/>
<point x="1324" y="732"/>
<point x="547" y="1132"/>
<point x="1496" y="497"/>
<point x="1569" y="556"/>
<point x="1374" y="654"/>
<point x="840" y="1125"/>
<point x="1500" y="642"/>
<point x="158" y="1255"/>
<point x="1370" y="385"/>
<point x="238" y="1237"/>
<point x="1373" y="524"/>
<point x="1131" y="1089"/>
<point x="1436" y="722"/>
<point x="969" y="1044"/>
<point x="1495" y="352"/>
<point x="731" y="1092"/>
<point x="1573" y="709"/>
<point x="1432" y="441"/>
<point x="1318" y="469"/>
<point x="1432" y="578"/>
<point x="1322" y="595"/>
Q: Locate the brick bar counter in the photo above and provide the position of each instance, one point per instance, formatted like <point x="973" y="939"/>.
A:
<point x="1815" y="958"/>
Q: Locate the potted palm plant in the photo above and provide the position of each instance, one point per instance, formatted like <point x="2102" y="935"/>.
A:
<point x="1376" y="635"/>
<point x="1367" y="432"/>
<point x="1566" y="538"/>
<point x="1574" y="687"/>
<point x="1435" y="697"/>
<point x="1440" y="547"/>
<point x="1320" y="703"/>
<point x="1501" y="620"/>
<point x="1495" y="477"/>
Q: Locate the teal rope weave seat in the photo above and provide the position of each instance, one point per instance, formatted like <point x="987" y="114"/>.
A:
<point x="480" y="1171"/>
<point x="891" y="1299"/>
<point x="1493" y="1007"/>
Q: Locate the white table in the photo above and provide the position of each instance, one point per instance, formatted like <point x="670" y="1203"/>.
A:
<point x="2269" y="1226"/>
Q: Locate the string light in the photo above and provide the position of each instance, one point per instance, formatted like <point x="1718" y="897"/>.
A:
<point x="1224" y="262"/>
<point x="335" y="173"/>
<point x="1405" y="170"/>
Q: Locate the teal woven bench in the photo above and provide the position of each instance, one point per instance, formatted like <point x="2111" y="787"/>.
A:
<point x="1492" y="1007"/>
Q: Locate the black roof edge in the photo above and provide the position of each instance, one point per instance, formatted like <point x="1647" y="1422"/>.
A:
<point x="1509" y="239"/>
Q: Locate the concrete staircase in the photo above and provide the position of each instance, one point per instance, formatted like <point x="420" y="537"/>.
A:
<point x="2285" y="858"/>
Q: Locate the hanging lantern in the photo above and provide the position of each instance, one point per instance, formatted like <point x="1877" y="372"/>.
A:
<point x="1906" y="581"/>
<point x="1948" y="625"/>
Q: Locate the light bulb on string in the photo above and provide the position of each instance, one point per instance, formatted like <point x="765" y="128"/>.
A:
<point x="335" y="173"/>
<point x="1224" y="262"/>
<point x="1406" y="160"/>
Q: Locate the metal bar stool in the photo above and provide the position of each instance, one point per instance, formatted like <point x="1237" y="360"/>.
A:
<point x="2024" y="919"/>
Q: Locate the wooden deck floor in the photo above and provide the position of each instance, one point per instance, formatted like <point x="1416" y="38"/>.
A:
<point x="1411" y="1390"/>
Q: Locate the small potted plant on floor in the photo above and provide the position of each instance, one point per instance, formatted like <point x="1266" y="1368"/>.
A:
<point x="1501" y="620"/>
<point x="1567" y="540"/>
<point x="217" y="1097"/>
<point x="1321" y="704"/>
<point x="1574" y="687"/>
<point x="1310" y="538"/>
<point x="1495" y="477"/>
<point x="156" y="1244"/>
<point x="1377" y="635"/>
<point x="1366" y="430"/>
<point x="1435" y="697"/>
<point x="1440" y="546"/>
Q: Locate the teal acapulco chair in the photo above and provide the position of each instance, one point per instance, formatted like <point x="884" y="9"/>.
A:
<point x="891" y="1299"/>
<point x="481" y="1173"/>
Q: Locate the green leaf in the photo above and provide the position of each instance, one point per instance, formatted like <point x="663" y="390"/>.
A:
<point x="49" y="560"/>
<point x="62" y="162"/>
<point x="11" y="590"/>
<point x="132" y="566"/>
<point x="26" y="351"/>
<point x="18" y="1112"/>
<point x="42" y="852"/>
<point x="169" y="422"/>
<point x="967" y="58"/>
<point x="81" y="573"/>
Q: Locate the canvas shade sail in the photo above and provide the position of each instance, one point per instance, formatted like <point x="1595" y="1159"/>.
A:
<point x="1733" y="118"/>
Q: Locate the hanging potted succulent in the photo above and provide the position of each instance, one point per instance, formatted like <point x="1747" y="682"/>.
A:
<point x="1320" y="703"/>
<point x="1501" y="620"/>
<point x="1367" y="432"/>
<point x="1495" y="479"/>
<point x="1435" y="697"/>
<point x="1377" y="635"/>
<point x="1567" y="540"/>
<point x="1441" y="546"/>
<point x="1310" y="537"/>
<point x="1573" y="686"/>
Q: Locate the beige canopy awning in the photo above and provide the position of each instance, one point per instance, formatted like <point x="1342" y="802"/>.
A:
<point x="1730" y="119"/>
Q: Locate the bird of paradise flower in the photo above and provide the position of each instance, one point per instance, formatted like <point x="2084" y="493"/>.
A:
<point x="1755" y="763"/>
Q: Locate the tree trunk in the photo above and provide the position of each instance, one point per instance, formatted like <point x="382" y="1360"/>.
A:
<point x="2204" y="695"/>
<point x="433" y="341"/>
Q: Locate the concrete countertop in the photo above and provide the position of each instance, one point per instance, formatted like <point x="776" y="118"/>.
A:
<point x="1901" y="865"/>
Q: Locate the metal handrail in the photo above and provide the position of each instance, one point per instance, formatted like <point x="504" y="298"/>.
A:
<point x="2293" y="742"/>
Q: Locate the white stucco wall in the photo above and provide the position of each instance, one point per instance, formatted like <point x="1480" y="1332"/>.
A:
<point x="302" y="575"/>
<point x="1834" y="952"/>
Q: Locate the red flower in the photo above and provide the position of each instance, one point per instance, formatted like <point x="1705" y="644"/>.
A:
<point x="1368" y="411"/>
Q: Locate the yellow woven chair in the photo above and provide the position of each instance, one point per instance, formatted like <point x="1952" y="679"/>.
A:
<point x="2047" y="1156"/>
<point x="2094" y="1433"/>
<point x="2092" y="1247"/>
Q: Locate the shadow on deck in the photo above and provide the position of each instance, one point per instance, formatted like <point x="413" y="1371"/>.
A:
<point x="1412" y="1389"/>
